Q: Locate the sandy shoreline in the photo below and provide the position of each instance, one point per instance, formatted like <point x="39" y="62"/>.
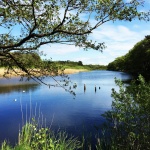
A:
<point x="2" y="72"/>
<point x="71" y="71"/>
<point x="66" y="71"/>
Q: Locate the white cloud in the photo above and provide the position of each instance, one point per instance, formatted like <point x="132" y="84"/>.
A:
<point x="59" y="49"/>
<point x="114" y="33"/>
<point x="118" y="39"/>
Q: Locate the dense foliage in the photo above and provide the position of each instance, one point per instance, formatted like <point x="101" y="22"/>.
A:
<point x="30" y="60"/>
<point x="136" y="61"/>
<point x="128" y="123"/>
<point x="31" y="64"/>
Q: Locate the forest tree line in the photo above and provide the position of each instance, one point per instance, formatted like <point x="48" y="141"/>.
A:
<point x="28" y="59"/>
<point x="136" y="61"/>
<point x="79" y="65"/>
<point x="33" y="60"/>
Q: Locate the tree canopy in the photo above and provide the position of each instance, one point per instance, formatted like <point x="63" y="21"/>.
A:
<point x="136" y="61"/>
<point x="27" y="25"/>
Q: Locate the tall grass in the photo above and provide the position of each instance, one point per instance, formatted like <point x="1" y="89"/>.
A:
<point x="33" y="138"/>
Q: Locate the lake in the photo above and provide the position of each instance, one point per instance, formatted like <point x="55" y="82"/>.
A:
<point x="54" y="107"/>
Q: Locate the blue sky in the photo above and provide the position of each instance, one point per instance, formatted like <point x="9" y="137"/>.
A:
<point x="119" y="37"/>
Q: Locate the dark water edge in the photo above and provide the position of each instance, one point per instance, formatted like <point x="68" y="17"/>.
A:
<point x="56" y="108"/>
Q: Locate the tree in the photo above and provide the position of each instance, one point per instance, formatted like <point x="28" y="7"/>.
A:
<point x="30" y="60"/>
<point x="117" y="64"/>
<point x="136" y="61"/>
<point x="40" y="22"/>
<point x="80" y="63"/>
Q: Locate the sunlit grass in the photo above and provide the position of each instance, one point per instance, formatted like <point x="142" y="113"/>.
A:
<point x="33" y="138"/>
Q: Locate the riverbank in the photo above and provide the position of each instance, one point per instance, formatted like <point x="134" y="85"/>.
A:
<point x="66" y="71"/>
<point x="2" y="70"/>
<point x="72" y="71"/>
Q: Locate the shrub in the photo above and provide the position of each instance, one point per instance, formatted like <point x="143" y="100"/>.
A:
<point x="128" y="123"/>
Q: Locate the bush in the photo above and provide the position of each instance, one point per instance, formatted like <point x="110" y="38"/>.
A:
<point x="128" y="123"/>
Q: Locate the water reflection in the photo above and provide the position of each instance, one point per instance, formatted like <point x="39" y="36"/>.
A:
<point x="18" y="88"/>
<point x="15" y="85"/>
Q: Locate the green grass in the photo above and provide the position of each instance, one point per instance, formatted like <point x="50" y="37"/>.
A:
<point x="78" y="65"/>
<point x="87" y="67"/>
<point x="33" y="138"/>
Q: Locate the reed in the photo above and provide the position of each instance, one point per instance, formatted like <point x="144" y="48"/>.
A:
<point x="33" y="138"/>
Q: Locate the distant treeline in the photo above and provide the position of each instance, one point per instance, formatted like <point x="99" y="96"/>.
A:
<point x="33" y="60"/>
<point x="78" y="65"/>
<point x="29" y="60"/>
<point x="136" y="61"/>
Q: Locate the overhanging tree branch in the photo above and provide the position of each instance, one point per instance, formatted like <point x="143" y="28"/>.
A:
<point x="57" y="21"/>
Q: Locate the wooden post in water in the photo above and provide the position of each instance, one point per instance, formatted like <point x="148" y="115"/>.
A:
<point x="84" y="87"/>
<point x="95" y="88"/>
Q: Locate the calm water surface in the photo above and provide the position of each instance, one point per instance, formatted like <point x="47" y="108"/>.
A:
<point x="54" y="107"/>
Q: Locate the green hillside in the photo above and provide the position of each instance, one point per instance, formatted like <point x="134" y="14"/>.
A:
<point x="136" y="61"/>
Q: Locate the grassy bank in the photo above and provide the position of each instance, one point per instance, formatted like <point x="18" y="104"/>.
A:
<point x="79" y="65"/>
<point x="33" y="138"/>
<point x="50" y="68"/>
<point x="66" y="71"/>
<point x="68" y="67"/>
<point x="86" y="67"/>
